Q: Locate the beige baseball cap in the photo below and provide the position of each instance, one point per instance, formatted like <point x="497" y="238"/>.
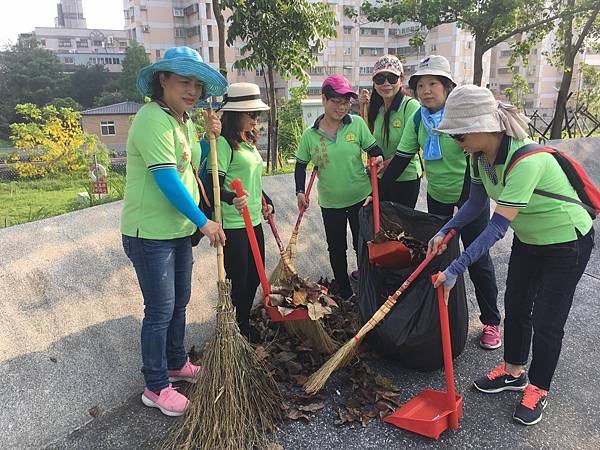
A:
<point x="431" y="65"/>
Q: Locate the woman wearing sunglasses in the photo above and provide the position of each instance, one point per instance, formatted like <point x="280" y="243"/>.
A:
<point x="389" y="112"/>
<point x="239" y="158"/>
<point x="335" y="144"/>
<point x="553" y="239"/>
<point x="448" y="183"/>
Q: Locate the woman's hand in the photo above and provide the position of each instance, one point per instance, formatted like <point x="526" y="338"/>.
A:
<point x="267" y="210"/>
<point x="241" y="202"/>
<point x="448" y="283"/>
<point x="365" y="97"/>
<point x="386" y="163"/>
<point x="368" y="200"/>
<point x="302" y="201"/>
<point x="435" y="245"/>
<point x="378" y="162"/>
<point x="214" y="232"/>
<point x="212" y="124"/>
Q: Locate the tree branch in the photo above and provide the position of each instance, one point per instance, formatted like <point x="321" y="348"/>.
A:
<point x="586" y="29"/>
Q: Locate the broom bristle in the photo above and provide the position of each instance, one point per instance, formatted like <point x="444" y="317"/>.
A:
<point x="236" y="403"/>
<point x="314" y="332"/>
<point x="342" y="357"/>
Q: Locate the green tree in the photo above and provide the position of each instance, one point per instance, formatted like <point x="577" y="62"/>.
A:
<point x="279" y="36"/>
<point x="109" y="98"/>
<point x="573" y="33"/>
<point x="590" y="92"/>
<point x="135" y="59"/>
<point x="54" y="138"/>
<point x="28" y="74"/>
<point x="490" y="22"/>
<point x="519" y="88"/>
<point x="88" y="82"/>
<point x="290" y="122"/>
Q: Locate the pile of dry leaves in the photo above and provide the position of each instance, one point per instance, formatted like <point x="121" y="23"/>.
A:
<point x="391" y="231"/>
<point x="301" y="293"/>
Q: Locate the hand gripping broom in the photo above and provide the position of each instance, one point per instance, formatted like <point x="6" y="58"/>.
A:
<point x="236" y="402"/>
<point x="343" y="356"/>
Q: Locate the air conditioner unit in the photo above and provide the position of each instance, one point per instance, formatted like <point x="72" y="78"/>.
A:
<point x="146" y="29"/>
<point x="178" y="12"/>
<point x="373" y="52"/>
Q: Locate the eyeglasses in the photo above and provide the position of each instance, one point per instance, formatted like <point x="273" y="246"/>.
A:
<point x="458" y="137"/>
<point x="380" y="78"/>
<point x="338" y="101"/>
<point x="253" y="114"/>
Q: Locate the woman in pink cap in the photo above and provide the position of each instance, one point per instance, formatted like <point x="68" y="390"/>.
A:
<point x="335" y="144"/>
<point x="389" y="110"/>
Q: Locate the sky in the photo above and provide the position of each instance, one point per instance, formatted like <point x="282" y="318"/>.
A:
<point x="22" y="16"/>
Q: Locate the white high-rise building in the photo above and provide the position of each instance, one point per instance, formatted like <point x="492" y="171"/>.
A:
<point x="70" y="14"/>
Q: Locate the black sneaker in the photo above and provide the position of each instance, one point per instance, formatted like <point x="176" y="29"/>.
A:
<point x="499" y="380"/>
<point x="529" y="411"/>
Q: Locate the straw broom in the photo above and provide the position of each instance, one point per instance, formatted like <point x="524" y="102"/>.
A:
<point x="345" y="354"/>
<point x="236" y="403"/>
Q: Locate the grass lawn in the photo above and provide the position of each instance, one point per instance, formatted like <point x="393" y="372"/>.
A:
<point x="27" y="201"/>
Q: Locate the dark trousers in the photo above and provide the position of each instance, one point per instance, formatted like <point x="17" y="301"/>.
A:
<point x="241" y="270"/>
<point x="540" y="286"/>
<point x="404" y="192"/>
<point x="335" y="221"/>
<point x="164" y="272"/>
<point x="481" y="272"/>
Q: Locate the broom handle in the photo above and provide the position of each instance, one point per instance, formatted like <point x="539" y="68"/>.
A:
<point x="363" y="112"/>
<point x="375" y="188"/>
<point x="214" y="166"/>
<point x="271" y="221"/>
<point x="391" y="301"/>
<point x="306" y="195"/>
<point x="237" y="186"/>
<point x="447" y="350"/>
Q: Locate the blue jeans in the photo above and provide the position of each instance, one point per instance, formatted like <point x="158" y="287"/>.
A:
<point x="482" y="271"/>
<point x="540" y="286"/>
<point x="164" y="272"/>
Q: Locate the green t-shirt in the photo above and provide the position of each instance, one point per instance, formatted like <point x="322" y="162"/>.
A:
<point x="399" y="119"/>
<point x="342" y="178"/>
<point x="246" y="164"/>
<point x="445" y="177"/>
<point x="157" y="141"/>
<point x="541" y="220"/>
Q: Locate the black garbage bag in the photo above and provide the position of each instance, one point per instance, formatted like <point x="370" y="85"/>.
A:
<point x="410" y="333"/>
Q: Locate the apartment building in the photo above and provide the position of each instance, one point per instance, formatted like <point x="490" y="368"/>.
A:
<point x="75" y="44"/>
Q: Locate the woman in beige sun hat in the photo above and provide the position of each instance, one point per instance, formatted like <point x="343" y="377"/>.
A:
<point x="553" y="239"/>
<point x="239" y="158"/>
<point x="447" y="175"/>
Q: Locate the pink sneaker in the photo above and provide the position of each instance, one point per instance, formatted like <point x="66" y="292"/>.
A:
<point x="490" y="337"/>
<point x="169" y="401"/>
<point x="188" y="372"/>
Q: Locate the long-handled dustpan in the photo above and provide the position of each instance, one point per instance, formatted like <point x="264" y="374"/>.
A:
<point x="432" y="412"/>
<point x="390" y="254"/>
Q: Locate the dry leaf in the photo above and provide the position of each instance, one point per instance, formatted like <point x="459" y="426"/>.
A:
<point x="95" y="411"/>
<point x="294" y="414"/>
<point x="285" y="311"/>
<point x="277" y="299"/>
<point x="386" y="383"/>
<point x="300" y="298"/>
<point x="261" y="353"/>
<point x="312" y="407"/>
<point x="274" y="446"/>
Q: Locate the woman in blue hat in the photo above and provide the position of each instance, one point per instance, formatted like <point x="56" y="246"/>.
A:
<point x="161" y="213"/>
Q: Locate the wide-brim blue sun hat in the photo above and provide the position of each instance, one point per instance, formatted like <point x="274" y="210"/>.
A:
<point x="186" y="62"/>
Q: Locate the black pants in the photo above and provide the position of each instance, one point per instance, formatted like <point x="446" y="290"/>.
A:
<point x="404" y="192"/>
<point x="335" y="221"/>
<point x="241" y="270"/>
<point x="540" y="286"/>
<point x="481" y="272"/>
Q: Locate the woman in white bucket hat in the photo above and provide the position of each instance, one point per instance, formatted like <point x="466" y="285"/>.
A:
<point x="553" y="239"/>
<point x="160" y="214"/>
<point x="447" y="175"/>
<point x="239" y="158"/>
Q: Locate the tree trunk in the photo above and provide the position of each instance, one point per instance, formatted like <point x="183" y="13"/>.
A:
<point x="478" y="61"/>
<point x="273" y="121"/>
<point x="221" y="30"/>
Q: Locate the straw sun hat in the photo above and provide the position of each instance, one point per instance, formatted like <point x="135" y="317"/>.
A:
<point x="243" y="97"/>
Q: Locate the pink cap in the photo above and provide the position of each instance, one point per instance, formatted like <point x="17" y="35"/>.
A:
<point x="340" y="85"/>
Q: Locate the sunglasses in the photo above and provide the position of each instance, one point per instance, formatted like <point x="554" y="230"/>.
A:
<point x="458" y="137"/>
<point x="253" y="114"/>
<point x="380" y="78"/>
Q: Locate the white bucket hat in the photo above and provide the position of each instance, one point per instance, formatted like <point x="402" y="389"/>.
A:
<point x="243" y="97"/>
<point x="474" y="109"/>
<point x="432" y="65"/>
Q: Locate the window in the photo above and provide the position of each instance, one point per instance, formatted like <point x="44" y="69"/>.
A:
<point x="192" y="31"/>
<point x="433" y="48"/>
<point x="68" y="60"/>
<point x="178" y="12"/>
<point x="504" y="70"/>
<point x="365" y="70"/>
<point x="43" y="42"/>
<point x="317" y="70"/>
<point x="98" y="43"/>
<point x="116" y="60"/>
<point x="209" y="11"/>
<point x="468" y="44"/>
<point x="314" y="91"/>
<point x="107" y="128"/>
<point x="179" y="32"/>
<point x="82" y="44"/>
<point x="347" y="30"/>
<point x="157" y="53"/>
<point x="366" y="51"/>
<point x="348" y="51"/>
<point x="505" y="53"/>
<point x="259" y="73"/>
<point x="123" y="44"/>
<point x="531" y="86"/>
<point x="145" y="29"/>
<point x="209" y="32"/>
<point x="193" y="8"/>
<point x="371" y="31"/>
<point x="93" y="61"/>
<point x="65" y="43"/>
<point x="211" y="54"/>
<point x="241" y="72"/>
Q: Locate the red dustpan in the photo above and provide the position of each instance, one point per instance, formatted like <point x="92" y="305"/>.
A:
<point x="432" y="412"/>
<point x="391" y="254"/>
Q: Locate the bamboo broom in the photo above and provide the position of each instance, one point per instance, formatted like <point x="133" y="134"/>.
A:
<point x="343" y="356"/>
<point x="237" y="403"/>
